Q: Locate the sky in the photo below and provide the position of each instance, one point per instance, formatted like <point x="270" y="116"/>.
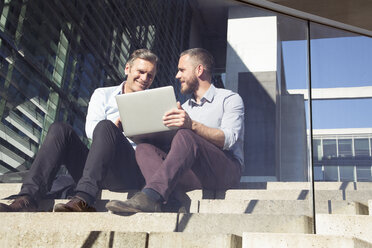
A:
<point x="336" y="62"/>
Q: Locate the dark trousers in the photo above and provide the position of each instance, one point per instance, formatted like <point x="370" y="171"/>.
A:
<point x="191" y="163"/>
<point x="110" y="162"/>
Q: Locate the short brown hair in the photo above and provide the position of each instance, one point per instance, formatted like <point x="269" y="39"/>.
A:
<point x="143" y="54"/>
<point x="201" y="56"/>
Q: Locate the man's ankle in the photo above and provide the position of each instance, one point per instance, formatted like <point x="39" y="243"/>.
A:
<point x="27" y="197"/>
<point x="153" y="194"/>
<point x="86" y="197"/>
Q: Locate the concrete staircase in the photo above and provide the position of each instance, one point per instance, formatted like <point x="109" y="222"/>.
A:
<point x="272" y="214"/>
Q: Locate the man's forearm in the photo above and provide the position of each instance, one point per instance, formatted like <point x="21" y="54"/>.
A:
<point x="213" y="135"/>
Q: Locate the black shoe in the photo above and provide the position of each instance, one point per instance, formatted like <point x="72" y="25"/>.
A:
<point x="140" y="202"/>
<point x="22" y="203"/>
<point x="76" y="204"/>
<point x="174" y="205"/>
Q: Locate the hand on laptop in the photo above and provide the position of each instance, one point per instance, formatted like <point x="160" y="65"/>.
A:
<point x="177" y="118"/>
<point x="118" y="124"/>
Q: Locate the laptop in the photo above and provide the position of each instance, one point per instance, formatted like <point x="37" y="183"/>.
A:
<point x="141" y="114"/>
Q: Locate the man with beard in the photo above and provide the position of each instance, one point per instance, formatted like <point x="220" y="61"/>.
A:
<point x="207" y="150"/>
<point x="110" y="162"/>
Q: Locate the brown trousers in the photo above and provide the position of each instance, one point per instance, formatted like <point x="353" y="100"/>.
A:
<point x="191" y="163"/>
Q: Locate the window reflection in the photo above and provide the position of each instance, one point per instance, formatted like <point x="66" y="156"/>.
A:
<point x="344" y="148"/>
<point x="361" y="147"/>
<point x="347" y="173"/>
<point x="329" y="148"/>
<point x="331" y="173"/>
<point x="364" y="173"/>
<point x="341" y="113"/>
<point x="318" y="173"/>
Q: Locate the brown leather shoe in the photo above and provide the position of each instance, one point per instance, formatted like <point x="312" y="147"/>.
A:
<point x="22" y="203"/>
<point x="140" y="202"/>
<point x="76" y="204"/>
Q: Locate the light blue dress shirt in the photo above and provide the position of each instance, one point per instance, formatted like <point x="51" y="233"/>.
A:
<point x="223" y="109"/>
<point x="102" y="106"/>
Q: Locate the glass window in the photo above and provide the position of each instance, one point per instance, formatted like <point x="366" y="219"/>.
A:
<point x="346" y="173"/>
<point x="341" y="114"/>
<point x="345" y="148"/>
<point x="361" y="147"/>
<point x="341" y="75"/>
<point x="317" y="149"/>
<point x="331" y="173"/>
<point x="329" y="148"/>
<point x="318" y="173"/>
<point x="364" y="173"/>
<point x="339" y="58"/>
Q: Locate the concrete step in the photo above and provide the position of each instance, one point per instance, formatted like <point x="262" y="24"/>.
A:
<point x="343" y="186"/>
<point x="82" y="222"/>
<point x="188" y="196"/>
<point x="194" y="240"/>
<point x="361" y="196"/>
<point x="244" y="194"/>
<point x="341" y="207"/>
<point x="48" y="205"/>
<point x="155" y="222"/>
<point x="7" y="189"/>
<point x="63" y="239"/>
<point x="100" y="206"/>
<point x="357" y="226"/>
<point x="307" y="185"/>
<point x="280" y="240"/>
<point x="283" y="207"/>
<point x="352" y="195"/>
<point x="106" y="239"/>
<point x="287" y="193"/>
<point x="239" y="223"/>
<point x="273" y="207"/>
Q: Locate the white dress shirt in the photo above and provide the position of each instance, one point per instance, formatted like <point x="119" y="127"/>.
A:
<point x="102" y="106"/>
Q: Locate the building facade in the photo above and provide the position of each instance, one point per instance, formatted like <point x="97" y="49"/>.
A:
<point x="55" y="53"/>
<point x="296" y="72"/>
<point x="342" y="155"/>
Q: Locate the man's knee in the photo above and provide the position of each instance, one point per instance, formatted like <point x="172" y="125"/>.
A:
<point x="144" y="148"/>
<point x="187" y="138"/>
<point x="185" y="134"/>
<point x="103" y="126"/>
<point x="59" y="129"/>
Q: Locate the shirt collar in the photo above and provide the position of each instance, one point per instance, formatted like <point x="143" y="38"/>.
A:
<point x="208" y="96"/>
<point x="119" y="88"/>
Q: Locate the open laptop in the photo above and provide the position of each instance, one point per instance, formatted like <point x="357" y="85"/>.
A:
<point x="141" y="114"/>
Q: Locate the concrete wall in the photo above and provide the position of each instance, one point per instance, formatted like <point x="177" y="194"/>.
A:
<point x="293" y="145"/>
<point x="251" y="65"/>
<point x="251" y="43"/>
<point x="275" y="123"/>
<point x="258" y="92"/>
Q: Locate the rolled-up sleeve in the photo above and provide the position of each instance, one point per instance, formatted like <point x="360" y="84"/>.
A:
<point x="96" y="112"/>
<point x="232" y="123"/>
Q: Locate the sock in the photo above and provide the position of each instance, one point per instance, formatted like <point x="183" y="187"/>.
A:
<point x="154" y="195"/>
<point x="86" y="197"/>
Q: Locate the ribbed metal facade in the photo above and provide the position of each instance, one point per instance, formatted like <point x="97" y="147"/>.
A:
<point x="54" y="53"/>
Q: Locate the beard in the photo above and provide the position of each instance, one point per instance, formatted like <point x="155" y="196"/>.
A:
<point x="190" y="86"/>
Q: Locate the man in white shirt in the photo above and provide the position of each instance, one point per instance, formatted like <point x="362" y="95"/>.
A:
<point x="109" y="163"/>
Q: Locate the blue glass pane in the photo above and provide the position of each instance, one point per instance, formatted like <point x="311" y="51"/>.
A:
<point x="346" y="173"/>
<point x="330" y="114"/>
<point x="341" y="79"/>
